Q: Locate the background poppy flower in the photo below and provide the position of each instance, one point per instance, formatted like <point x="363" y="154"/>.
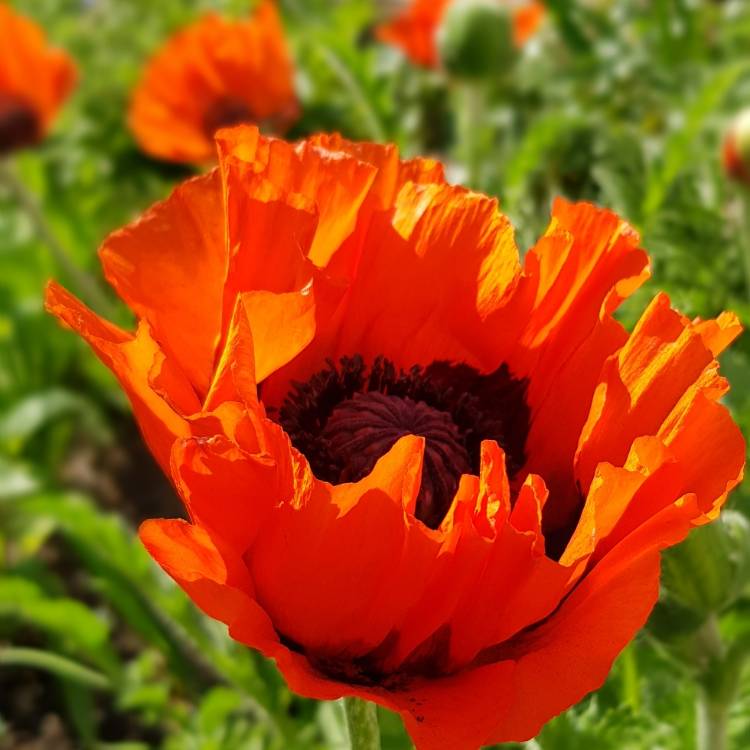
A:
<point x="35" y="79"/>
<point x="414" y="29"/>
<point x="212" y="74"/>
<point x="416" y="470"/>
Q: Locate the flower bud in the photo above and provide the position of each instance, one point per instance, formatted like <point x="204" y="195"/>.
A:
<point x="475" y="38"/>
<point x="737" y="148"/>
<point x="710" y="569"/>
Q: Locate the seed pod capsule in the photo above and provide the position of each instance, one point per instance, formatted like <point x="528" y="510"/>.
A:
<point x="475" y="39"/>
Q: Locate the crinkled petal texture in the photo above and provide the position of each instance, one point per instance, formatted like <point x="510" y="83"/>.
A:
<point x="32" y="72"/>
<point x="247" y="279"/>
<point x="216" y="72"/>
<point x="414" y="29"/>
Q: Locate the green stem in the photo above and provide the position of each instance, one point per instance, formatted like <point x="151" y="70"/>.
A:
<point x="362" y="721"/>
<point x="630" y="680"/>
<point x="472" y="129"/>
<point x="712" y="723"/>
<point x="56" y="664"/>
<point x="83" y="283"/>
<point x="719" y="685"/>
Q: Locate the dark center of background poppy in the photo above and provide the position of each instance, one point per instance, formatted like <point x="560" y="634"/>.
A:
<point x="19" y="124"/>
<point x="348" y="415"/>
<point x="225" y="112"/>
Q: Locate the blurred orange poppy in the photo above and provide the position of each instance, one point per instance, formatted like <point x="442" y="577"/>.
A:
<point x="416" y="470"/>
<point x="414" y="29"/>
<point x="35" y="79"/>
<point x="210" y="75"/>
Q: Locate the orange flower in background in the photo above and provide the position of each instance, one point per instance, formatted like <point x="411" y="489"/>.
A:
<point x="416" y="470"/>
<point x="35" y="79"/>
<point x="210" y="75"/>
<point x="414" y="29"/>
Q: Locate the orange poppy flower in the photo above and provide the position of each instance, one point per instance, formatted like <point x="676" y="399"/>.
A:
<point x="414" y="29"/>
<point x="416" y="470"/>
<point x="35" y="79"/>
<point x="212" y="74"/>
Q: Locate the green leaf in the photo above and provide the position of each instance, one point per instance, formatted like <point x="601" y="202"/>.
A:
<point x="679" y="147"/>
<point x="33" y="412"/>
<point x="55" y="664"/>
<point x="68" y="622"/>
<point x="16" y="479"/>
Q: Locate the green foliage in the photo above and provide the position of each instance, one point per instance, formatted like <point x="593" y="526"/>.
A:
<point x="620" y="102"/>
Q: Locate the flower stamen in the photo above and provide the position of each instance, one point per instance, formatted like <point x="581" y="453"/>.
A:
<point x="345" y="417"/>
<point x="225" y="112"/>
<point x="19" y="124"/>
<point x="365" y="427"/>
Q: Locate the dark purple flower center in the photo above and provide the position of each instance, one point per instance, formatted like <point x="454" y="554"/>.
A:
<point x="225" y="112"/>
<point x="19" y="124"/>
<point x="348" y="415"/>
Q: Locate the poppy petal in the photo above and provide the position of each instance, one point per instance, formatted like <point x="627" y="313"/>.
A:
<point x="370" y="561"/>
<point x="664" y="358"/>
<point x="414" y="30"/>
<point x="428" y="308"/>
<point x="333" y="184"/>
<point x="229" y="491"/>
<point x="218" y="585"/>
<point x="528" y="18"/>
<point x="30" y="69"/>
<point x="210" y="74"/>
<point x="181" y="240"/>
<point x="588" y="261"/>
<point x="139" y="365"/>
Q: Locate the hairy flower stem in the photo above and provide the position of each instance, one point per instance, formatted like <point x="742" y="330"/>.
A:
<point x="362" y="721"/>
<point x="717" y="691"/>
<point x="711" y="723"/>
<point x="472" y="130"/>
<point x="84" y="284"/>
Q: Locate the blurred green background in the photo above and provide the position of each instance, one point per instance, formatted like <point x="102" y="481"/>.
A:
<point x="624" y="103"/>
